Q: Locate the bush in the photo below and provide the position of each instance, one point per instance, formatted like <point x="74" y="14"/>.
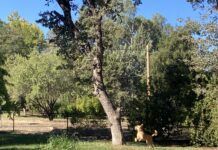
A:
<point x="89" y="106"/>
<point x="204" y="118"/>
<point x="85" y="112"/>
<point x="60" y="143"/>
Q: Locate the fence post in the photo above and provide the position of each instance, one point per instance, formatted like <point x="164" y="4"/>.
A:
<point x="67" y="124"/>
<point x="1" y="119"/>
<point x="1" y="116"/>
<point x="13" y="121"/>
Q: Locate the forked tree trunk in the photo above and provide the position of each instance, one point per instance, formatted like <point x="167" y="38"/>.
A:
<point x="100" y="91"/>
<point x="99" y="88"/>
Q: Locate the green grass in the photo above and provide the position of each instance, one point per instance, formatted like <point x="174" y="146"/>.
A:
<point x="106" y="145"/>
<point x="22" y="147"/>
<point x="18" y="141"/>
<point x="12" y="141"/>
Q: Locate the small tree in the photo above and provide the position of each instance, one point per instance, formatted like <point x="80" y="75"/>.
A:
<point x="39" y="80"/>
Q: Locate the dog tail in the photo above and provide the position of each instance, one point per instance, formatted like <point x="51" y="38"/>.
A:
<point x="155" y="133"/>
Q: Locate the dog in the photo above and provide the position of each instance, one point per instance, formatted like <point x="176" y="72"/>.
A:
<point x="142" y="136"/>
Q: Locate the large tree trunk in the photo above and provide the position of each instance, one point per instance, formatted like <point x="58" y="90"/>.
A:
<point x="100" y="90"/>
<point x="113" y="117"/>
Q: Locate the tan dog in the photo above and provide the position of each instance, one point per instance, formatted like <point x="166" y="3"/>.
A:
<point x="141" y="136"/>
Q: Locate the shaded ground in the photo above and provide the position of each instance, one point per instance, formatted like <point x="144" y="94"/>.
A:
<point x="10" y="139"/>
<point x="34" y="132"/>
<point x="39" y="125"/>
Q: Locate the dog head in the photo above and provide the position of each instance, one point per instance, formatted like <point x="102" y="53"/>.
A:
<point x="139" y="127"/>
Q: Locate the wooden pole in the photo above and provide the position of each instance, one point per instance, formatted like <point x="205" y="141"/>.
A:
<point x="0" y="120"/>
<point x="67" y="125"/>
<point x="148" y="70"/>
<point x="1" y="116"/>
<point x="13" y="121"/>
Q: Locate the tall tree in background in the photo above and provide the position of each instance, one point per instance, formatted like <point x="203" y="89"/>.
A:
<point x="204" y="63"/>
<point x="19" y="37"/>
<point x="3" y="91"/>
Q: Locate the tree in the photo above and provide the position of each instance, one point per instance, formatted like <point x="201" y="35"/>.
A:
<point x="204" y="3"/>
<point x="172" y="95"/>
<point x="4" y="98"/>
<point x="3" y="91"/>
<point x="172" y="79"/>
<point x="92" y="16"/>
<point x="125" y="70"/>
<point x="204" y="113"/>
<point x="19" y="37"/>
<point x="204" y="64"/>
<point x="38" y="80"/>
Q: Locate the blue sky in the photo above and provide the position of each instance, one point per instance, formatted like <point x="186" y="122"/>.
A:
<point x="171" y="9"/>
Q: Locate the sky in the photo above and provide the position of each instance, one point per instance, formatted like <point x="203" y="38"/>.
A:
<point x="170" y="9"/>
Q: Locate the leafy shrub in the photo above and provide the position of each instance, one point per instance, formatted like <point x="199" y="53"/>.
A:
<point x="82" y="108"/>
<point x="204" y="119"/>
<point x="60" y="143"/>
<point x="89" y="106"/>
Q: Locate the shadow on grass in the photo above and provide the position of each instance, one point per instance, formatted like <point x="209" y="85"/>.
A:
<point x="10" y="139"/>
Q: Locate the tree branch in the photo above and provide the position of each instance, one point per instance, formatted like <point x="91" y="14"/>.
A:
<point x="66" y="8"/>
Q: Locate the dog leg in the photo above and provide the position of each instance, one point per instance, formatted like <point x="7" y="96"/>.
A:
<point x="136" y="140"/>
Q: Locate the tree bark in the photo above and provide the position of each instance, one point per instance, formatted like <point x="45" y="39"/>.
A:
<point x="24" y="111"/>
<point x="100" y="90"/>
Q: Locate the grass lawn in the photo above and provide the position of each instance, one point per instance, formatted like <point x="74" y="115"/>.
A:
<point x="101" y="146"/>
<point x="12" y="141"/>
<point x="129" y="146"/>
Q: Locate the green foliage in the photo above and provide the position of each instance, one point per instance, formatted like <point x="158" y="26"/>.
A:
<point x="211" y="4"/>
<point x="4" y="97"/>
<point x="60" y="143"/>
<point x="132" y="32"/>
<point x="38" y="79"/>
<point x="19" y="37"/>
<point x="85" y="107"/>
<point x="123" y="72"/>
<point x="204" y="117"/>
<point x="172" y="94"/>
<point x="204" y="63"/>
<point x="89" y="106"/>
<point x="3" y="91"/>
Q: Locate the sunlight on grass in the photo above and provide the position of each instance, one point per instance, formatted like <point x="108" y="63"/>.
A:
<point x="99" y="145"/>
<point x="43" y="142"/>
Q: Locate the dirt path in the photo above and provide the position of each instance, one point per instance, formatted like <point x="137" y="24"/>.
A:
<point x="32" y="124"/>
